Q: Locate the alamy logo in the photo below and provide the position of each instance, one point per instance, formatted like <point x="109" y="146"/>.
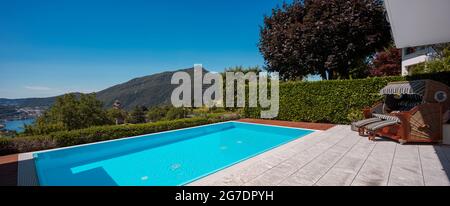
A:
<point x="235" y="90"/>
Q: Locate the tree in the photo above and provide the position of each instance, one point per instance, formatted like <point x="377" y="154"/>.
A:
<point x="325" y="37"/>
<point x="361" y="69"/>
<point x="155" y="114"/>
<point x="175" y="113"/>
<point x="440" y="64"/>
<point x="116" y="113"/>
<point x="137" y="115"/>
<point x="91" y="111"/>
<point x="69" y="113"/>
<point x="442" y="49"/>
<point x="255" y="69"/>
<point x="66" y="111"/>
<point x="387" y="63"/>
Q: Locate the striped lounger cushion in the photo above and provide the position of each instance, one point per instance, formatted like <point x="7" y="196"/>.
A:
<point x="378" y="125"/>
<point x="387" y="117"/>
<point x="362" y="123"/>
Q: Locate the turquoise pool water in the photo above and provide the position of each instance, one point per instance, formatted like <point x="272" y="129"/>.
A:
<point x="167" y="159"/>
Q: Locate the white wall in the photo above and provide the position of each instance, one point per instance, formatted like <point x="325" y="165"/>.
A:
<point x="412" y="61"/>
<point x="419" y="22"/>
<point x="417" y="57"/>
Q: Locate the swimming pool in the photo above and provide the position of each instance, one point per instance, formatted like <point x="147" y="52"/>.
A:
<point x="163" y="159"/>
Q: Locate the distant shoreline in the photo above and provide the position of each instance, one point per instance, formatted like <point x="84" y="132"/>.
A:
<point x="18" y="124"/>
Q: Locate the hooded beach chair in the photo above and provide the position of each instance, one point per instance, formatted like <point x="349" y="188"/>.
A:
<point x="412" y="111"/>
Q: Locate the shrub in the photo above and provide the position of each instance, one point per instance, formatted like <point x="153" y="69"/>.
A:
<point x="40" y="127"/>
<point x="443" y="77"/>
<point x="334" y="101"/>
<point x="440" y="64"/>
<point x="155" y="114"/>
<point x="99" y="133"/>
<point x="6" y="146"/>
<point x="355" y="115"/>
<point x="137" y="116"/>
<point x="175" y="113"/>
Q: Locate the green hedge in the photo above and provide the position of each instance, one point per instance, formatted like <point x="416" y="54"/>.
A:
<point x="335" y="101"/>
<point x="96" y="134"/>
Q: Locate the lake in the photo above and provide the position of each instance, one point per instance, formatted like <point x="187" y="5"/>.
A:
<point x="17" y="125"/>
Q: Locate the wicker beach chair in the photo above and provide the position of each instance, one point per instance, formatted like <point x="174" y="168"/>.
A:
<point x="413" y="111"/>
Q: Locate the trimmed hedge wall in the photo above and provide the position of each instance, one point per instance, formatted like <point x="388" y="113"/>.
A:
<point x="334" y="101"/>
<point x="97" y="134"/>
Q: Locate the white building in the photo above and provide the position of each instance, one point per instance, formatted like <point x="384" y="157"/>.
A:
<point x="416" y="23"/>
<point x="412" y="56"/>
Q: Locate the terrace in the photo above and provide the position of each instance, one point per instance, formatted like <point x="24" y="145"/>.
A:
<point x="333" y="155"/>
<point x="340" y="157"/>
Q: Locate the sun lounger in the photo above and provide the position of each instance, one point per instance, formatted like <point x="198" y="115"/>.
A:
<point x="374" y="127"/>
<point x="357" y="126"/>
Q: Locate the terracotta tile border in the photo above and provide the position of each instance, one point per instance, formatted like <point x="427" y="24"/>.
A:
<point x="305" y="125"/>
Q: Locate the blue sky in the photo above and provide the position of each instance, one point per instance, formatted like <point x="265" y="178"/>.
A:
<point x="50" y="47"/>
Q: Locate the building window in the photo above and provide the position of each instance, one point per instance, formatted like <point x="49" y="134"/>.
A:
<point x="410" y="50"/>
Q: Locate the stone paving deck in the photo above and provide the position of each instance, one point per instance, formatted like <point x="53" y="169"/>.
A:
<point x="340" y="157"/>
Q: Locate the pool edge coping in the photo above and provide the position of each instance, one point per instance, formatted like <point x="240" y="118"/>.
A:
<point x="26" y="170"/>
<point x="271" y="125"/>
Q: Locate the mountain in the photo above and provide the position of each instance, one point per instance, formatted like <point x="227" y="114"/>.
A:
<point x="25" y="108"/>
<point x="149" y="91"/>
<point x="30" y="102"/>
